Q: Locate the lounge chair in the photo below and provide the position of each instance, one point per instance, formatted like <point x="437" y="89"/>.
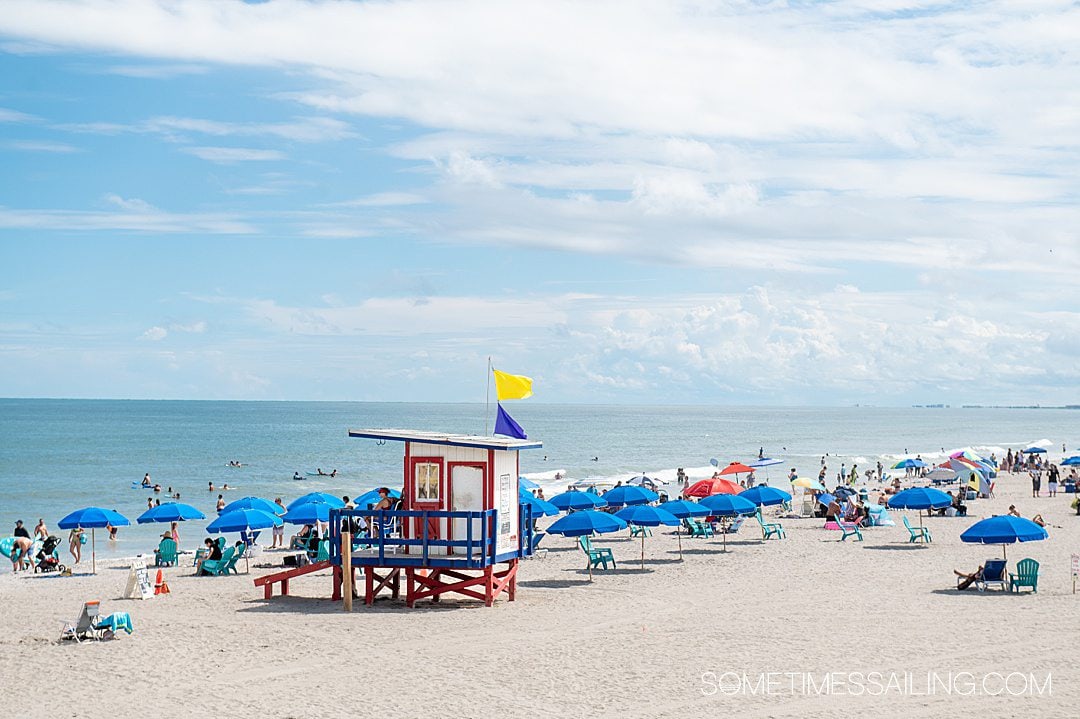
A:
<point x="216" y="567"/>
<point x="699" y="529"/>
<point x="917" y="533"/>
<point x="83" y="627"/>
<point x="165" y="554"/>
<point x="850" y="529"/>
<point x="734" y="527"/>
<point x="1027" y="575"/>
<point x="770" y="529"/>
<point x="993" y="573"/>
<point x="597" y="555"/>
<point x="639" y="531"/>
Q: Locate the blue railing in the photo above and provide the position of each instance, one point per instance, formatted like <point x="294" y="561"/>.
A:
<point x="378" y="548"/>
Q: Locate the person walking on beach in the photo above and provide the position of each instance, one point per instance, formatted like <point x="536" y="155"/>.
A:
<point x="41" y="531"/>
<point x="1052" y="480"/>
<point x="1036" y="482"/>
<point x="75" y="539"/>
<point x="279" y="531"/>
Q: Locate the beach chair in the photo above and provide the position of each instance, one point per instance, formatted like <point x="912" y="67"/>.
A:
<point x="596" y="555"/>
<point x="639" y="531"/>
<point x="216" y="567"/>
<point x="993" y="573"/>
<point x="734" y="526"/>
<point x="165" y="554"/>
<point x="537" y="536"/>
<point x="770" y="529"/>
<point x="917" y="533"/>
<point x="83" y="627"/>
<point x="1027" y="575"/>
<point x="110" y="625"/>
<point x="230" y="566"/>
<point x="699" y="529"/>
<point x="850" y="529"/>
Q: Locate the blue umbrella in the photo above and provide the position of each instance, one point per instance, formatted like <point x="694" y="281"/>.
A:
<point x="170" y="512"/>
<point x="825" y="498"/>
<point x="909" y="464"/>
<point x="1034" y="450"/>
<point x="539" y="505"/>
<point x="763" y="495"/>
<point x="372" y="497"/>
<point x="643" y="515"/>
<point x="843" y="493"/>
<point x="729" y="505"/>
<point x="330" y="499"/>
<point x="683" y="508"/>
<point x="577" y="500"/>
<point x="91" y="518"/>
<point x="1071" y="461"/>
<point x="244" y="520"/>
<point x="251" y="503"/>
<point x="580" y="524"/>
<point x="1003" y="529"/>
<point x="642" y="481"/>
<point x="920" y="498"/>
<point x="628" y="495"/>
<point x="308" y="513"/>
<point x="526" y="483"/>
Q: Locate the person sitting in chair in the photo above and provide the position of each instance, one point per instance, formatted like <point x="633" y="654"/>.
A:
<point x="959" y="506"/>
<point x="968" y="579"/>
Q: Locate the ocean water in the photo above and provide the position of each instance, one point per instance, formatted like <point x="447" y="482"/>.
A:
<point x="59" y="455"/>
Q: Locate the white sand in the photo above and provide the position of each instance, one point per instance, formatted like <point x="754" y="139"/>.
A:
<point x="630" y="644"/>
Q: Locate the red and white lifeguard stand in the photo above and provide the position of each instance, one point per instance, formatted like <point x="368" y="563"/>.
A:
<point x="459" y="522"/>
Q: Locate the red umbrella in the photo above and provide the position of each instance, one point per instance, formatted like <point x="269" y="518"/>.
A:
<point x="709" y="487"/>
<point x="736" y="468"/>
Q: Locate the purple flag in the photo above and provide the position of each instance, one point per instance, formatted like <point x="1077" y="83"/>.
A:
<point x="506" y="426"/>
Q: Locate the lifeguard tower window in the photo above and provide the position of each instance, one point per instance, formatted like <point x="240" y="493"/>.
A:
<point x="427" y="481"/>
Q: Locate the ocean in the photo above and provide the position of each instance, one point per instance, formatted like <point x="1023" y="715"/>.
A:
<point x="59" y="455"/>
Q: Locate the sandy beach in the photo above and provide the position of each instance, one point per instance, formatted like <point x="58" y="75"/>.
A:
<point x="631" y="643"/>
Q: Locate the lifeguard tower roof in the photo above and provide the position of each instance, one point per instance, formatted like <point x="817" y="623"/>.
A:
<point x="451" y="440"/>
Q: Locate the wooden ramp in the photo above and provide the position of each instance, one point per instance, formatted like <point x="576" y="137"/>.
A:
<point x="268" y="581"/>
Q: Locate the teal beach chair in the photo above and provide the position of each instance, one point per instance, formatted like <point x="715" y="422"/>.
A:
<point x="917" y="533"/>
<point x="1027" y="575"/>
<point x="597" y="555"/>
<point x="216" y="567"/>
<point x="165" y="555"/>
<point x="639" y="531"/>
<point x="850" y="529"/>
<point x="770" y="529"/>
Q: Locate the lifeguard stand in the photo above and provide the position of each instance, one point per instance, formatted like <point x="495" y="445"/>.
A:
<point x="460" y="518"/>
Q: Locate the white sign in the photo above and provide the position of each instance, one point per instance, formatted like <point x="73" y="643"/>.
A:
<point x="505" y="497"/>
<point x="1076" y="565"/>
<point x="138" y="584"/>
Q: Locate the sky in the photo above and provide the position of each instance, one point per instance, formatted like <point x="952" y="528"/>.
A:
<point x="742" y="202"/>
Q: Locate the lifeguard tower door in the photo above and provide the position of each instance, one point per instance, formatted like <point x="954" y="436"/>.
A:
<point x="466" y="495"/>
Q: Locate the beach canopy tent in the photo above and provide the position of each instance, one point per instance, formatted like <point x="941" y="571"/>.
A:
<point x="170" y="512"/>
<point x="736" y="468"/>
<point x="539" y="505"/>
<point x="628" y="495"/>
<point x="577" y="501"/>
<point x="1003" y="529"/>
<point x="728" y="505"/>
<point x="878" y="516"/>
<point x="93" y="518"/>
<point x="709" y="487"/>
<point x="372" y="497"/>
<point x="644" y="515"/>
<point x="920" y="498"/>
<point x="259" y="503"/>
<point x="330" y="499"/>
<point x="763" y="495"/>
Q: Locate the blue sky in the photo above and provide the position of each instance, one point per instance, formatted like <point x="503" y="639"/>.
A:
<point x="740" y="203"/>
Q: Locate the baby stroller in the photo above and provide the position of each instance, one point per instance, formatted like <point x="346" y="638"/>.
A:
<point x="47" y="557"/>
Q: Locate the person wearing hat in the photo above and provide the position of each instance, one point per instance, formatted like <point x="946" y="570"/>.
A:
<point x="20" y="530"/>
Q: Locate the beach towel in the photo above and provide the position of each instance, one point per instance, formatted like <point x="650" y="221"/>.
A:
<point x="115" y="622"/>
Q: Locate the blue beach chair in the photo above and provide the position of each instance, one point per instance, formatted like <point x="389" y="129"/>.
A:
<point x="993" y="573"/>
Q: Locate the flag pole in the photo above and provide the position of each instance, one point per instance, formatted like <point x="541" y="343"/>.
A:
<point x="487" y="396"/>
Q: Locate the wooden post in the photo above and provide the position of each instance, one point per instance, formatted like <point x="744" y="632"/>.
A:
<point x="346" y="570"/>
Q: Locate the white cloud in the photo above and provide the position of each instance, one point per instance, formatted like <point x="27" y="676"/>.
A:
<point x="156" y="72"/>
<point x="198" y="327"/>
<point x="134" y="204"/>
<point x="155" y="334"/>
<point x="383" y="199"/>
<point x="9" y="115"/>
<point x="61" y="148"/>
<point x="229" y="155"/>
<point x="129" y="220"/>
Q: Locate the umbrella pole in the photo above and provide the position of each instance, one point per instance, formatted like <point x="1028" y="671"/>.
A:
<point x="643" y="551"/>
<point x="678" y="532"/>
<point x="93" y="552"/>
<point x="725" y="540"/>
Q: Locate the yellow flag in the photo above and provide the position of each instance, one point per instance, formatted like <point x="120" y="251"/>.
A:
<point x="512" y="386"/>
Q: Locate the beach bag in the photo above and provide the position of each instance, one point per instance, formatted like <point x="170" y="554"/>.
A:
<point x="1075" y="502"/>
